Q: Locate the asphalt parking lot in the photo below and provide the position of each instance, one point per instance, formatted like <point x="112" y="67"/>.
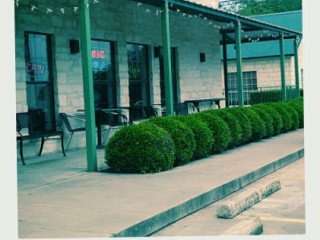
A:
<point x="283" y="212"/>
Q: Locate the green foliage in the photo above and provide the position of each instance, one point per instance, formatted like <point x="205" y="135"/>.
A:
<point x="182" y="136"/>
<point x="293" y="115"/>
<point x="202" y="134"/>
<point x="142" y="148"/>
<point x="266" y="118"/>
<point x="272" y="96"/>
<point x="298" y="106"/>
<point x="257" y="125"/>
<point x="287" y="123"/>
<point x="277" y="123"/>
<point x="244" y="123"/>
<point x="233" y="125"/>
<point x="257" y="7"/>
<point x="219" y="130"/>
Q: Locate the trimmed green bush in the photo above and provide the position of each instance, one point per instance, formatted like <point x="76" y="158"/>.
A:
<point x="219" y="130"/>
<point x="181" y="135"/>
<point x="142" y="148"/>
<point x="284" y="116"/>
<point x="272" y="95"/>
<point x="266" y="118"/>
<point x="277" y="123"/>
<point x="293" y="115"/>
<point x="299" y="108"/>
<point x="244" y="123"/>
<point x="202" y="135"/>
<point x="257" y="125"/>
<point x="233" y="125"/>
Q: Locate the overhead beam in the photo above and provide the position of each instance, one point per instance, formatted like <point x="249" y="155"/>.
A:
<point x="211" y="13"/>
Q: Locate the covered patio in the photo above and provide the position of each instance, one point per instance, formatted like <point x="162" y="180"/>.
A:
<point x="220" y="28"/>
<point x="234" y="29"/>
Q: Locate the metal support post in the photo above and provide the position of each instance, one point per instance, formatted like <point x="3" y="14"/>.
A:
<point x="296" y="66"/>
<point x="85" y="40"/>
<point x="282" y="66"/>
<point x="167" y="58"/>
<point x="225" y="70"/>
<point x="239" y="64"/>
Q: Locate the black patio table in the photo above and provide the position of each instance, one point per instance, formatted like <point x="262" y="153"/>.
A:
<point x="101" y="119"/>
<point x="196" y="102"/>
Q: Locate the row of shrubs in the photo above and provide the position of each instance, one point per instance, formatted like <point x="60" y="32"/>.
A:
<point x="161" y="143"/>
<point x="272" y="95"/>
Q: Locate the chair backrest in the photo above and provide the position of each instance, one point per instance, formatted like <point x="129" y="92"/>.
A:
<point x="22" y="121"/>
<point x="181" y="108"/>
<point x="150" y="111"/>
<point x="65" y="119"/>
<point x="33" y="120"/>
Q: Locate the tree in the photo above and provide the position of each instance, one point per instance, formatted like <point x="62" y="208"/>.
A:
<point x="257" y="7"/>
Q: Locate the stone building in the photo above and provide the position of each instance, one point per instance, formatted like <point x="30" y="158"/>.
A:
<point x="126" y="51"/>
<point x="261" y="64"/>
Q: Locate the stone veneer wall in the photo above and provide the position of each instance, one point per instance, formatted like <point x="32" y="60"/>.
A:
<point x="268" y="70"/>
<point x="120" y="21"/>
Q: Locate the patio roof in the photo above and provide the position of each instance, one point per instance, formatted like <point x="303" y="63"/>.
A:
<point x="252" y="29"/>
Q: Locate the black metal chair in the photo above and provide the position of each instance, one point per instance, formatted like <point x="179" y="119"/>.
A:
<point x="65" y="118"/>
<point x="114" y="120"/>
<point x="181" y="108"/>
<point x="150" y="111"/>
<point x="34" y="121"/>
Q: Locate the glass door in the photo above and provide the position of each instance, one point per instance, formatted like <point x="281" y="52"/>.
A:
<point x="39" y="78"/>
<point x="139" y="92"/>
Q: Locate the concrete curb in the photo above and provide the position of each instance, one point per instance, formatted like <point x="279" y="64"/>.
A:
<point x="251" y="226"/>
<point x="239" y="203"/>
<point x="161" y="220"/>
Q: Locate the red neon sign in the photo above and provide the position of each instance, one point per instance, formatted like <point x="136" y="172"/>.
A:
<point x="98" y="54"/>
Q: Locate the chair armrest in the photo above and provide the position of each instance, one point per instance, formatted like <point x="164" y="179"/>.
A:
<point x="124" y="117"/>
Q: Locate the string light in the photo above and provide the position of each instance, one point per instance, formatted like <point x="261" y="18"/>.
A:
<point x="139" y="4"/>
<point x="75" y="9"/>
<point x="49" y="10"/>
<point x="95" y="1"/>
<point x="62" y="10"/>
<point x="17" y="3"/>
<point x="33" y="8"/>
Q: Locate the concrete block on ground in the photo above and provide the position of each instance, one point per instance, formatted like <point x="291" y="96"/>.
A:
<point x="239" y="203"/>
<point x="251" y="226"/>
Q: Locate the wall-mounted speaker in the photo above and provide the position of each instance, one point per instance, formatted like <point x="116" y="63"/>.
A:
<point x="74" y="46"/>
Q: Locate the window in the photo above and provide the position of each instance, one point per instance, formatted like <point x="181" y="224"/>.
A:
<point x="103" y="74"/>
<point x="249" y="85"/>
<point x="39" y="80"/>
<point x="139" y="92"/>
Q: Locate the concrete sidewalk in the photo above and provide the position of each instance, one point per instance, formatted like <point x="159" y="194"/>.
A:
<point x="58" y="198"/>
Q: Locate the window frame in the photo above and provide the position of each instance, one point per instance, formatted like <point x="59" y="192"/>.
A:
<point x="50" y="82"/>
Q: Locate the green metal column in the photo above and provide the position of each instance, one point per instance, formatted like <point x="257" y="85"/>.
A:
<point x="282" y="66"/>
<point x="296" y="66"/>
<point x="85" y="40"/>
<point x="167" y="58"/>
<point x="225" y="69"/>
<point x="239" y="63"/>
